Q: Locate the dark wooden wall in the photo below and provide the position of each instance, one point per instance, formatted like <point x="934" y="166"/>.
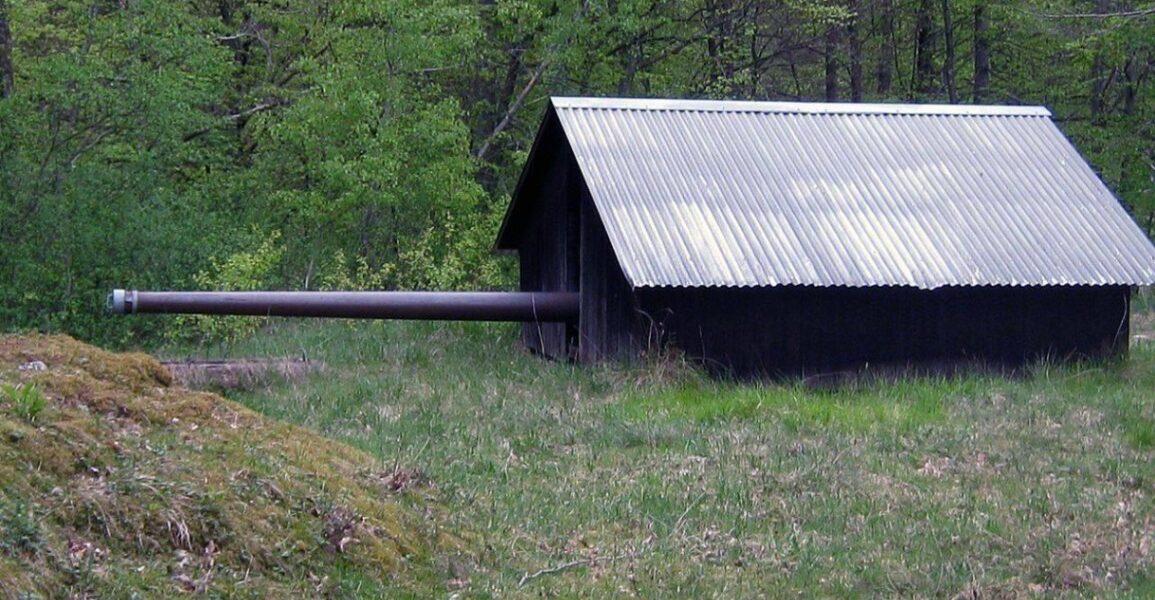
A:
<point x="801" y="330"/>
<point x="563" y="247"/>
<point x="609" y="316"/>
<point x="549" y="247"/>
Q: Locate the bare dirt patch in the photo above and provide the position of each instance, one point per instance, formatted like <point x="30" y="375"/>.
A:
<point x="242" y="374"/>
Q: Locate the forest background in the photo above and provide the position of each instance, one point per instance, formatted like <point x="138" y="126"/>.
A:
<point x="308" y="144"/>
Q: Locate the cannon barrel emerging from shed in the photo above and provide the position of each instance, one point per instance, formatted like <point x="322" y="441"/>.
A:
<point x="450" y="306"/>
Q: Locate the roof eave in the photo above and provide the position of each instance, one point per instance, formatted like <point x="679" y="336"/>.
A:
<point x="823" y="108"/>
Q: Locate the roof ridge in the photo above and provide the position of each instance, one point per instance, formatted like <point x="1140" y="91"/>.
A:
<point x="816" y="108"/>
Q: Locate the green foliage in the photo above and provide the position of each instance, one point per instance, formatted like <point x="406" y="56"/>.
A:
<point x="342" y="273"/>
<point x="246" y="270"/>
<point x="241" y="271"/>
<point x="373" y="154"/>
<point x="27" y="401"/>
<point x="145" y="138"/>
<point x="456" y="254"/>
<point x="94" y="178"/>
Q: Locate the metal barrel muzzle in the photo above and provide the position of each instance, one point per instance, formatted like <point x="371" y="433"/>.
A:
<point x="449" y="306"/>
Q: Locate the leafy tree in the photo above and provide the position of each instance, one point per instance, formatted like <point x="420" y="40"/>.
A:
<point x="97" y="177"/>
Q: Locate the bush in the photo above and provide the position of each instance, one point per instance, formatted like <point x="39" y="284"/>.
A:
<point x="246" y="270"/>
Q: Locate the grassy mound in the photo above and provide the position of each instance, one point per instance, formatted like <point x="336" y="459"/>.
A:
<point x="114" y="482"/>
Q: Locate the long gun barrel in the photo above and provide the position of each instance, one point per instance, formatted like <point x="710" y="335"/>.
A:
<point x="451" y="306"/>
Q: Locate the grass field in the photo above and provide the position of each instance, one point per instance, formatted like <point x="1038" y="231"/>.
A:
<point x="654" y="481"/>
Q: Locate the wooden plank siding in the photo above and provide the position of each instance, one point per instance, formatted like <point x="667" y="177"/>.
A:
<point x="609" y="317"/>
<point x="789" y="331"/>
<point x="548" y="248"/>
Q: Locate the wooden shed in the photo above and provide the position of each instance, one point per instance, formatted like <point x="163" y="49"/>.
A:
<point x="786" y="238"/>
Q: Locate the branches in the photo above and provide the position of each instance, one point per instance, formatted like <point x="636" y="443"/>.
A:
<point x="513" y="108"/>
<point x="233" y="118"/>
<point x="263" y="106"/>
<point x="254" y="30"/>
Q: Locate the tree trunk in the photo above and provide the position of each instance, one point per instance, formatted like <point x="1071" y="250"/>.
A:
<point x="720" y="32"/>
<point x="225" y="10"/>
<point x="632" y="55"/>
<point x="7" y="79"/>
<point x="926" y="38"/>
<point x="832" y="39"/>
<point x="982" y="54"/>
<point x="887" y="56"/>
<point x="1132" y="75"/>
<point x="948" y="65"/>
<point x="492" y="91"/>
<point x="854" y="42"/>
<point x="631" y="58"/>
<point x="1099" y="71"/>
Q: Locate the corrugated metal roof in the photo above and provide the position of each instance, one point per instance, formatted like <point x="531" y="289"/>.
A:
<point x="708" y="193"/>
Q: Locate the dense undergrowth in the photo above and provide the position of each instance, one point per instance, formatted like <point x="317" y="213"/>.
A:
<point x="654" y="481"/>
<point x="114" y="483"/>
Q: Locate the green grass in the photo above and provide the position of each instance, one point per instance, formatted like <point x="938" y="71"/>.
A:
<point x="27" y="402"/>
<point x="654" y="481"/>
<point x="1141" y="433"/>
<point x="901" y="406"/>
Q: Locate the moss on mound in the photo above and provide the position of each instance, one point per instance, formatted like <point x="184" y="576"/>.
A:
<point x="113" y="482"/>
